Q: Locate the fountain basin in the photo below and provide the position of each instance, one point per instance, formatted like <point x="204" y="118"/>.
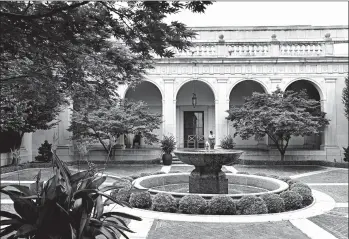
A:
<point x="207" y="177"/>
<point x="208" y="158"/>
<point x="156" y="184"/>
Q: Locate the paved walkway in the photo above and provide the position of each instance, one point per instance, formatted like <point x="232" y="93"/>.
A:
<point x="330" y="225"/>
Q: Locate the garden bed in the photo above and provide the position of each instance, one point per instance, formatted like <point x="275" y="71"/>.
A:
<point x="298" y="196"/>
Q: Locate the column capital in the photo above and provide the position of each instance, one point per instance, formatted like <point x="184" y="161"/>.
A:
<point x="330" y="80"/>
<point x="222" y="80"/>
<point x="275" y="80"/>
<point x="169" y="80"/>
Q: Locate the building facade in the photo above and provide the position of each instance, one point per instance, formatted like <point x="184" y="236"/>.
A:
<point x="227" y="64"/>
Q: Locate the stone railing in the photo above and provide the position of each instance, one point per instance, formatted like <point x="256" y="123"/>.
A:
<point x="272" y="48"/>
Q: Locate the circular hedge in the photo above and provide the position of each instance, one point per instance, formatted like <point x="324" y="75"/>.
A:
<point x="221" y="205"/>
<point x="192" y="204"/>
<point x="291" y="182"/>
<point x="305" y="193"/>
<point x="274" y="203"/>
<point x="122" y="184"/>
<point x="293" y="200"/>
<point x="248" y="205"/>
<point x="300" y="185"/>
<point x="140" y="200"/>
<point x="123" y="194"/>
<point x="164" y="202"/>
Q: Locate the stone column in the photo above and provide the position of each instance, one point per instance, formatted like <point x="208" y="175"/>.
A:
<point x="169" y="108"/>
<point x="328" y="46"/>
<point x="274" y="46"/>
<point x="330" y="134"/>
<point x="221" y="106"/>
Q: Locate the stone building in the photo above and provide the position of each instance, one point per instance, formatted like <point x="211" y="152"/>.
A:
<point x="227" y="64"/>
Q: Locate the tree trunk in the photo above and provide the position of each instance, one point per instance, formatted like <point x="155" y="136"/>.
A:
<point x="282" y="157"/>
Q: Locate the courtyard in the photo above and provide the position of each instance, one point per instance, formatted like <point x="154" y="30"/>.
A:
<point x="329" y="225"/>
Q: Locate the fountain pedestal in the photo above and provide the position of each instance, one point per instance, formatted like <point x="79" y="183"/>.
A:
<point x="208" y="181"/>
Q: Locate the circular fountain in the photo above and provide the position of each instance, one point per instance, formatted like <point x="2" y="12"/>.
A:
<point x="208" y="179"/>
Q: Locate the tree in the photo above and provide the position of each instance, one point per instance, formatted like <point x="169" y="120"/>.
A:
<point x="27" y="107"/>
<point x="95" y="118"/>
<point x="279" y="115"/>
<point x="69" y="45"/>
<point x="345" y="98"/>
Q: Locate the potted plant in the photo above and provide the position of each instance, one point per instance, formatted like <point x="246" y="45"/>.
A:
<point x="168" y="144"/>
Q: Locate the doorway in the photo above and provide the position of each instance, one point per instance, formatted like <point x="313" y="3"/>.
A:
<point x="193" y="126"/>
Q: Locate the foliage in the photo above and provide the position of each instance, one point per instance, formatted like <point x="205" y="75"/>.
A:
<point x="274" y="203"/>
<point x="45" y="153"/>
<point x="243" y="172"/>
<point x="346" y="154"/>
<point x="102" y="120"/>
<point x="345" y="97"/>
<point x="164" y="202"/>
<point x="249" y="205"/>
<point x="168" y="144"/>
<point x="192" y="204"/>
<point x="29" y="106"/>
<point x="291" y="182"/>
<point x="284" y="178"/>
<point x="140" y="200"/>
<point x="279" y="115"/>
<point x="122" y="195"/>
<point x="16" y="156"/>
<point x="66" y="206"/>
<point x="221" y="205"/>
<point x="227" y="142"/>
<point x="261" y="174"/>
<point x="293" y="200"/>
<point x="300" y="185"/>
<point x="305" y="193"/>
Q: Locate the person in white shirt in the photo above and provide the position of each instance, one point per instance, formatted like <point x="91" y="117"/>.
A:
<point x="211" y="139"/>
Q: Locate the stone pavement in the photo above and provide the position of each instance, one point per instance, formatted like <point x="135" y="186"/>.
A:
<point x="330" y="225"/>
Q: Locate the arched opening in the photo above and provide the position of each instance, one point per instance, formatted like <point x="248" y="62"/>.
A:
<point x="237" y="98"/>
<point x="194" y="123"/>
<point x="307" y="142"/>
<point x="151" y="95"/>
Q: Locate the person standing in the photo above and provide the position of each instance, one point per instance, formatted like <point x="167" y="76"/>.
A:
<point x="211" y="139"/>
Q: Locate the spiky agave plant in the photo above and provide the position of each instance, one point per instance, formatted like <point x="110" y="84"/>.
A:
<point x="66" y="206"/>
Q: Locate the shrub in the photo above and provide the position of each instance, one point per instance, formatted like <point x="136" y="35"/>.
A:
<point x="346" y="154"/>
<point x="290" y="182"/>
<point x="227" y="142"/>
<point x="122" y="195"/>
<point x="242" y="172"/>
<point x="135" y="176"/>
<point x="261" y="174"/>
<point x="292" y="200"/>
<point x="45" y="153"/>
<point x="273" y="176"/>
<point x="300" y="185"/>
<point x="158" y="172"/>
<point x="192" y="204"/>
<point x="249" y="205"/>
<point x="145" y="174"/>
<point x="164" y="202"/>
<point x="140" y="200"/>
<point x="122" y="184"/>
<point x="221" y="205"/>
<point x="285" y="178"/>
<point x="127" y="178"/>
<point x="305" y="193"/>
<point x="168" y="144"/>
<point x="274" y="203"/>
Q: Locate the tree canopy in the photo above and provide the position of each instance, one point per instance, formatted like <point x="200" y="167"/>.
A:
<point x="279" y="115"/>
<point x="52" y="49"/>
<point x="345" y="97"/>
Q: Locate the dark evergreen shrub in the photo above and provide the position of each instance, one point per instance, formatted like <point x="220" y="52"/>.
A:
<point x="192" y="204"/>
<point x="293" y="200"/>
<point x="45" y="154"/>
<point x="164" y="202"/>
<point x="221" y="205"/>
<point x="274" y="203"/>
<point x="249" y="205"/>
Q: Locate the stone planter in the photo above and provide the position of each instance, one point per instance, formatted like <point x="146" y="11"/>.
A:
<point x="167" y="159"/>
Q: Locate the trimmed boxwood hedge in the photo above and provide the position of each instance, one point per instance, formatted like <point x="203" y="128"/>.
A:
<point x="164" y="202"/>
<point x="192" y="204"/>
<point x="140" y="200"/>
<point x="249" y="205"/>
<point x="293" y="200"/>
<point x="221" y="205"/>
<point x="305" y="193"/>
<point x="274" y="203"/>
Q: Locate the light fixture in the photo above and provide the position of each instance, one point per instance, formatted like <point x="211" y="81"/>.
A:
<point x="194" y="99"/>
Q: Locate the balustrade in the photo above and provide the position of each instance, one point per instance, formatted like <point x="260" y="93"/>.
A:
<point x="253" y="49"/>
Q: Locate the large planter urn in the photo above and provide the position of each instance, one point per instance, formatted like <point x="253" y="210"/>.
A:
<point x="167" y="159"/>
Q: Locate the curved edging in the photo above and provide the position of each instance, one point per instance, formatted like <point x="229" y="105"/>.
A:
<point x="282" y="186"/>
<point x="322" y="203"/>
